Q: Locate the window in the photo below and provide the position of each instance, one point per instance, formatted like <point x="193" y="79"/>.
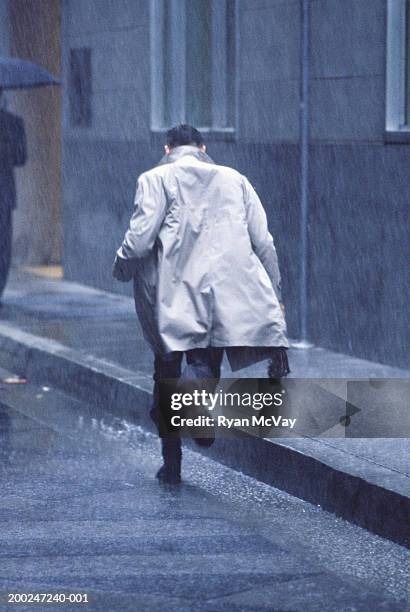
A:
<point x="80" y="87"/>
<point x="398" y="66"/>
<point x="193" y="53"/>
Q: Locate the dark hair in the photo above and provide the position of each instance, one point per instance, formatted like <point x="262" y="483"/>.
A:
<point x="184" y="135"/>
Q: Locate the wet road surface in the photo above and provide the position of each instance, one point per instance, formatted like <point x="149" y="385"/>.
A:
<point x="81" y="513"/>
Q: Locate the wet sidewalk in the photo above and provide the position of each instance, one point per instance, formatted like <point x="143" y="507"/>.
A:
<point x="81" y="514"/>
<point x="101" y="333"/>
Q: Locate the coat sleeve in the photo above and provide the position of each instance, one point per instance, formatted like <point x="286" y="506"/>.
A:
<point x="146" y="221"/>
<point x="261" y="239"/>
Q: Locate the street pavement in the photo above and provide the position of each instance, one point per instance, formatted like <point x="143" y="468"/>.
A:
<point x="82" y="513"/>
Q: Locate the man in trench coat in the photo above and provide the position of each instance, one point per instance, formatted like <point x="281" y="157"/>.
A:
<point x="205" y="269"/>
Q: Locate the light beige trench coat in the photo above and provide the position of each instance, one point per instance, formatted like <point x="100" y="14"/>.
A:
<point x="204" y="264"/>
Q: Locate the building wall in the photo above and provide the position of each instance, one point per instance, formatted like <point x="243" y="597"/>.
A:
<point x="356" y="181"/>
<point x="348" y="51"/>
<point x="269" y="71"/>
<point x="34" y="34"/>
<point x="101" y="162"/>
<point x="4" y="28"/>
<point x="358" y="270"/>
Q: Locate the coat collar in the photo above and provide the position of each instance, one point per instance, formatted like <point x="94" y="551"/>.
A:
<point x="184" y="150"/>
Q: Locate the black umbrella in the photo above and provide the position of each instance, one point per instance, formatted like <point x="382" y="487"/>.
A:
<point x="16" y="73"/>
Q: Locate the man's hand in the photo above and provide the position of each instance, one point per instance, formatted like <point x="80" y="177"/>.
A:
<point x="122" y="270"/>
<point x="282" y="307"/>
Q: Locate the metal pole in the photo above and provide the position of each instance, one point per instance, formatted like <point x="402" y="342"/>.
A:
<point x="304" y="173"/>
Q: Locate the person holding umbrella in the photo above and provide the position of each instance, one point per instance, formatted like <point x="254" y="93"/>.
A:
<point x="206" y="274"/>
<point x="14" y="74"/>
<point x="13" y="152"/>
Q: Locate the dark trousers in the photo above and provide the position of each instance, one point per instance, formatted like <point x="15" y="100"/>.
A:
<point x="201" y="363"/>
<point x="5" y="244"/>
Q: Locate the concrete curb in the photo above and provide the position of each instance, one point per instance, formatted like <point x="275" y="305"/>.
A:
<point x="328" y="480"/>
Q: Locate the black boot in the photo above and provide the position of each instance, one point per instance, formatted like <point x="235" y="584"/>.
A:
<point x="278" y="364"/>
<point x="170" y="472"/>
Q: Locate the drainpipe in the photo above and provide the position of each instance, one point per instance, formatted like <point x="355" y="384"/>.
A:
<point x="304" y="174"/>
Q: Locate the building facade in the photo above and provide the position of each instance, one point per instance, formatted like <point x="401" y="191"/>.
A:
<point x="236" y="68"/>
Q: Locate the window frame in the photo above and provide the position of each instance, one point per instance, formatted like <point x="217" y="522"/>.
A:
<point x="396" y="128"/>
<point x="178" y="85"/>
